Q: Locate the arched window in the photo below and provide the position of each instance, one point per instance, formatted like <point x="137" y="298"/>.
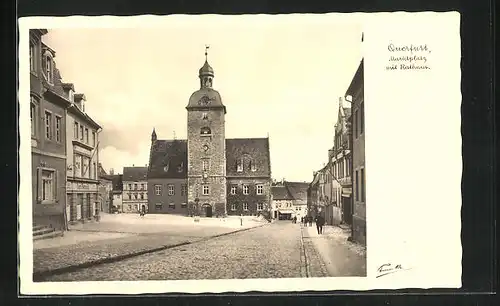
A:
<point x="205" y="131"/>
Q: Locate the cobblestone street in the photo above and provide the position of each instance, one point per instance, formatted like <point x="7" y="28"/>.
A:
<point x="273" y="251"/>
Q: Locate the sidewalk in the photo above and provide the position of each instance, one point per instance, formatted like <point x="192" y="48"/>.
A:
<point x="340" y="257"/>
<point x="94" y="243"/>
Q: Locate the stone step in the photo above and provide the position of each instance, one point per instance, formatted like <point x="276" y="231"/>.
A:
<point x="42" y="231"/>
<point x="51" y="234"/>
<point x="38" y="227"/>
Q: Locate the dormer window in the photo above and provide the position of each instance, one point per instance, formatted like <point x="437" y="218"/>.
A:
<point x="239" y="166"/>
<point x="253" y="168"/>
<point x="205" y="131"/>
<point x="48" y="67"/>
<point x="180" y="168"/>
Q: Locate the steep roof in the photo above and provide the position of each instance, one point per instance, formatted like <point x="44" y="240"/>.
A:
<point x="298" y="190"/>
<point x="252" y="153"/>
<point x="280" y="193"/>
<point x="135" y="174"/>
<point x="117" y="182"/>
<point x="168" y="159"/>
<point x="171" y="155"/>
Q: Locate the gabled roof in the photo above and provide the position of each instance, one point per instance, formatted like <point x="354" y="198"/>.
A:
<point x="298" y="190"/>
<point x="280" y="193"/>
<point x="117" y="182"/>
<point x="253" y="153"/>
<point x="135" y="174"/>
<point x="168" y="159"/>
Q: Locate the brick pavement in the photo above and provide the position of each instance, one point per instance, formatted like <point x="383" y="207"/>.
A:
<point x="86" y="252"/>
<point x="272" y="251"/>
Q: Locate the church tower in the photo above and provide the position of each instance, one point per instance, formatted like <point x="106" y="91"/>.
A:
<point x="206" y="147"/>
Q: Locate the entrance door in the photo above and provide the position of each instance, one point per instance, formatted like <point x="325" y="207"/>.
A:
<point x="79" y="206"/>
<point x="208" y="210"/>
<point x="346" y="210"/>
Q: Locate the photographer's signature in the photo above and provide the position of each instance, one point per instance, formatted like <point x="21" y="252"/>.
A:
<point x="388" y="268"/>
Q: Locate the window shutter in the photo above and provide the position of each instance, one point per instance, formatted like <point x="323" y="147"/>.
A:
<point x="39" y="184"/>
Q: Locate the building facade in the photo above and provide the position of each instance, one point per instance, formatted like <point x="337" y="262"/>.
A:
<point x="167" y="183"/>
<point x="48" y="108"/>
<point x="222" y="176"/>
<point x="356" y="92"/>
<point x="105" y="190"/>
<point x="117" y="200"/>
<point x="135" y="189"/>
<point x="290" y="200"/>
<point x="298" y="191"/>
<point x="340" y="169"/>
<point x="82" y="145"/>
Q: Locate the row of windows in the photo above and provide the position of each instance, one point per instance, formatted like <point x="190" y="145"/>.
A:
<point x="360" y="185"/>
<point x="81" y="133"/>
<point x="359" y="121"/>
<point x="52" y="123"/>
<point x="234" y="206"/>
<point x="143" y="186"/>
<point x="240" y="164"/>
<point x="170" y="190"/>
<point x="137" y="196"/>
<point x="83" y="168"/>
<point x="159" y="206"/>
<point x="259" y="190"/>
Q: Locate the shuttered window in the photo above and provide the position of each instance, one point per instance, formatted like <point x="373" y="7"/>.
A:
<point x="47" y="185"/>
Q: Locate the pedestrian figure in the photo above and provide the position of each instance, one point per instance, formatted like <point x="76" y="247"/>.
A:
<point x="320" y="221"/>
<point x="97" y="216"/>
<point x="295" y="219"/>
<point x="143" y="210"/>
<point x="310" y="219"/>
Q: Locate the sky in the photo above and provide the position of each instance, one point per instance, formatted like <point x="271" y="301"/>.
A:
<point x="280" y="77"/>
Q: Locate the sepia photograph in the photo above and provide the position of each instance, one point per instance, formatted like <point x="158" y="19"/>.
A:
<point x="146" y="167"/>
<point x="211" y="148"/>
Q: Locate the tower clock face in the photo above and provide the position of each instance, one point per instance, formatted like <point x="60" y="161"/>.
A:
<point x="205" y="148"/>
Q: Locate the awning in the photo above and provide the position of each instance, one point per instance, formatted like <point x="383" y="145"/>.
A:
<point x="286" y="211"/>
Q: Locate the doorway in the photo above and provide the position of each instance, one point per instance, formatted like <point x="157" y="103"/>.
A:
<point x="347" y="210"/>
<point x="207" y="208"/>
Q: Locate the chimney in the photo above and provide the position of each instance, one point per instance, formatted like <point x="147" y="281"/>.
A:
<point x="111" y="171"/>
<point x="133" y="165"/>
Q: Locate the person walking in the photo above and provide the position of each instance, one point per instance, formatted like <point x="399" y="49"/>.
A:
<point x="310" y="219"/>
<point x="320" y="221"/>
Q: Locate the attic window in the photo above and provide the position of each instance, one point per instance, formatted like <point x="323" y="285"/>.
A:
<point x="48" y="67"/>
<point x="239" y="166"/>
<point x="253" y="168"/>
<point x="205" y="131"/>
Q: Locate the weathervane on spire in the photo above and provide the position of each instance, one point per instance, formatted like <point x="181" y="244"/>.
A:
<point x="206" y="52"/>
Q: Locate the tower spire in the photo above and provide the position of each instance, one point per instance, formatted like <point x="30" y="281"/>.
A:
<point x="206" y="52"/>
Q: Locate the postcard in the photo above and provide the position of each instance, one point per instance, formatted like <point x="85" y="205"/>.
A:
<point x="219" y="154"/>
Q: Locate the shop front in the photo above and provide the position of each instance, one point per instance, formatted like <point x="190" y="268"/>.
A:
<point x="82" y="199"/>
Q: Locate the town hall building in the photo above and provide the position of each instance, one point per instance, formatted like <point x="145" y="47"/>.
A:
<point x="209" y="174"/>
